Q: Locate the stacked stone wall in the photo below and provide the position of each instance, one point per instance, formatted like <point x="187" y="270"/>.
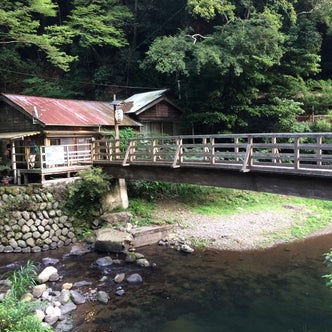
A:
<point x="32" y="220"/>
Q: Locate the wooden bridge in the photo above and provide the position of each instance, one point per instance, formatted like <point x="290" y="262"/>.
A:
<point x="286" y="163"/>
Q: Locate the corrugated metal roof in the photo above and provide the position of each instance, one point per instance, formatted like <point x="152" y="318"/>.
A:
<point x="17" y="135"/>
<point x="63" y="112"/>
<point x="140" y="100"/>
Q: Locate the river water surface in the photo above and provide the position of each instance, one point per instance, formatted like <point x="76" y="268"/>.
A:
<point x="273" y="290"/>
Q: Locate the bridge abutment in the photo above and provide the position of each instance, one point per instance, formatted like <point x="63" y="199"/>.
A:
<point x="118" y="196"/>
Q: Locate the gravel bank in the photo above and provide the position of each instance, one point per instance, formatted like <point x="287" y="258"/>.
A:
<point x="239" y="231"/>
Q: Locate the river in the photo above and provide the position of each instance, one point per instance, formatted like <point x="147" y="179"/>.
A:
<point x="272" y="290"/>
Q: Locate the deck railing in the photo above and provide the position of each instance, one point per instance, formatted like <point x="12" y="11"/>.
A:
<point x="283" y="152"/>
<point x="55" y="156"/>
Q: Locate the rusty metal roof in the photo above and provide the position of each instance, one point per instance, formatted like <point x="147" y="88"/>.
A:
<point x="63" y="112"/>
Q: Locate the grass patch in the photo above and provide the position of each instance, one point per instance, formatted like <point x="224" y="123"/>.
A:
<point x="220" y="201"/>
<point x="316" y="215"/>
<point x="141" y="211"/>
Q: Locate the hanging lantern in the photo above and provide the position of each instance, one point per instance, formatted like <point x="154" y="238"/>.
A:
<point x="118" y="114"/>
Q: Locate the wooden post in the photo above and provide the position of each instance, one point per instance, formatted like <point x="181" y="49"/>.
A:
<point x="296" y="152"/>
<point x="319" y="155"/>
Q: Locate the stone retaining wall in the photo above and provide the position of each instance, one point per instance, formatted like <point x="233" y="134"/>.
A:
<point x="32" y="220"/>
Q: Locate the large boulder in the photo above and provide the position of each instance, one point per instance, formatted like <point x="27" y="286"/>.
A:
<point x="112" y="240"/>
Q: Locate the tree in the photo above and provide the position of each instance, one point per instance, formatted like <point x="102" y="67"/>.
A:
<point x="252" y="63"/>
<point x="21" y="25"/>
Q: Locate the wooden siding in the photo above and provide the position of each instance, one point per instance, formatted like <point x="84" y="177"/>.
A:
<point x="12" y="120"/>
<point x="160" y="111"/>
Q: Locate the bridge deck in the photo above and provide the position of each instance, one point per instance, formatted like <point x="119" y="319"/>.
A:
<point x="304" y="154"/>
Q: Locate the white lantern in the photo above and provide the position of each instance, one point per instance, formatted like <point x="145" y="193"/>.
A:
<point x="118" y="115"/>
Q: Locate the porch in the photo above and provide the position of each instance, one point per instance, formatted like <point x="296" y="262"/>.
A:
<point x="51" y="164"/>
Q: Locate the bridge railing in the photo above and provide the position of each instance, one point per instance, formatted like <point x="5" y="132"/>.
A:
<point x="246" y="152"/>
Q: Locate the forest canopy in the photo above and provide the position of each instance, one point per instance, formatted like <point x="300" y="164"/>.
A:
<point x="233" y="66"/>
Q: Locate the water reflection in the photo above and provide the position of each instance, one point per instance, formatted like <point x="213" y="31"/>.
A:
<point x="274" y="290"/>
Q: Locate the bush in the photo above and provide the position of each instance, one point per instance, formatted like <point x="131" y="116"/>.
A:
<point x="152" y="191"/>
<point x="85" y="195"/>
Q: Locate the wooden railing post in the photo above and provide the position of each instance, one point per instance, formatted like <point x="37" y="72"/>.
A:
<point x="178" y="156"/>
<point x="212" y="150"/>
<point x="154" y="150"/>
<point x="248" y="162"/>
<point x="319" y="141"/>
<point x="205" y="149"/>
<point x="67" y="154"/>
<point x="236" y="148"/>
<point x="128" y="154"/>
<point x="296" y="152"/>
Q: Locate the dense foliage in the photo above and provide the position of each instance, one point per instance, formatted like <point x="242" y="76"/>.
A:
<point x="85" y="195"/>
<point x="232" y="65"/>
<point x="17" y="315"/>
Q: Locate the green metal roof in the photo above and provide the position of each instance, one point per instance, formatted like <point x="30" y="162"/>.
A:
<point x="140" y="100"/>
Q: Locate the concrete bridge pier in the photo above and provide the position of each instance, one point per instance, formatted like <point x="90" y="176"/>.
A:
<point x="118" y="196"/>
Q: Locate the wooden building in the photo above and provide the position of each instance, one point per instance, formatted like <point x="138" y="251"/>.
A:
<point x="157" y="113"/>
<point x="61" y="129"/>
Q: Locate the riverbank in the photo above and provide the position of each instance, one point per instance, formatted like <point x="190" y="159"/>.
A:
<point x="241" y="230"/>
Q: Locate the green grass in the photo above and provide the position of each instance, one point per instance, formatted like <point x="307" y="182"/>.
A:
<point x="219" y="201"/>
<point x="315" y="215"/>
<point x="17" y="315"/>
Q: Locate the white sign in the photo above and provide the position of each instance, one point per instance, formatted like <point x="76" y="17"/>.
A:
<point x="54" y="155"/>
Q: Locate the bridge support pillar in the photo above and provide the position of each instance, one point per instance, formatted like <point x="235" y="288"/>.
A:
<point x="117" y="197"/>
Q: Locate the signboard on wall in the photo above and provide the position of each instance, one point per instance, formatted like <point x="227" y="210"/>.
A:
<point x="54" y="155"/>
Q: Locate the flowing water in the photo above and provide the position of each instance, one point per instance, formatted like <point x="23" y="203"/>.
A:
<point x="274" y="290"/>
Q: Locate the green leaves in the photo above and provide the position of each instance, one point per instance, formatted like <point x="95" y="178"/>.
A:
<point x="99" y="23"/>
<point x="170" y="54"/>
<point x="208" y="9"/>
<point x="29" y="23"/>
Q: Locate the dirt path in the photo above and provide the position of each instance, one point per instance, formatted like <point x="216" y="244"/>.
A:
<point x="239" y="231"/>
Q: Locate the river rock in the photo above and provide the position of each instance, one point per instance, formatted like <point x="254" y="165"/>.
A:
<point x="120" y="291"/>
<point x="40" y="314"/>
<point x="134" y="279"/>
<point x="117" y="217"/>
<point x="77" y="297"/>
<point x="186" y="248"/>
<point x="65" y="325"/>
<point x="82" y="283"/>
<point x="104" y="261"/>
<point x="119" y="278"/>
<point x="79" y="249"/>
<point x="50" y="261"/>
<point x="27" y="297"/>
<point x="38" y="290"/>
<point x="111" y="240"/>
<point x="143" y="262"/>
<point x="64" y="296"/>
<point x="102" y="297"/>
<point x="45" y="275"/>
<point x="68" y="307"/>
<point x="52" y="314"/>
<point x="67" y="285"/>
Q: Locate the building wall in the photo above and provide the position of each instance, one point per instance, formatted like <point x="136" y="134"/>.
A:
<point x="11" y="120"/>
<point x="161" y="111"/>
<point x="161" y="119"/>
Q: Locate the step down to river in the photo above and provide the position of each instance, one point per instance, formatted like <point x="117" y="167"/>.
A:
<point x="109" y="239"/>
<point x="146" y="235"/>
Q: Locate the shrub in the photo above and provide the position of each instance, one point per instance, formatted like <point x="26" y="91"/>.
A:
<point x="85" y="195"/>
